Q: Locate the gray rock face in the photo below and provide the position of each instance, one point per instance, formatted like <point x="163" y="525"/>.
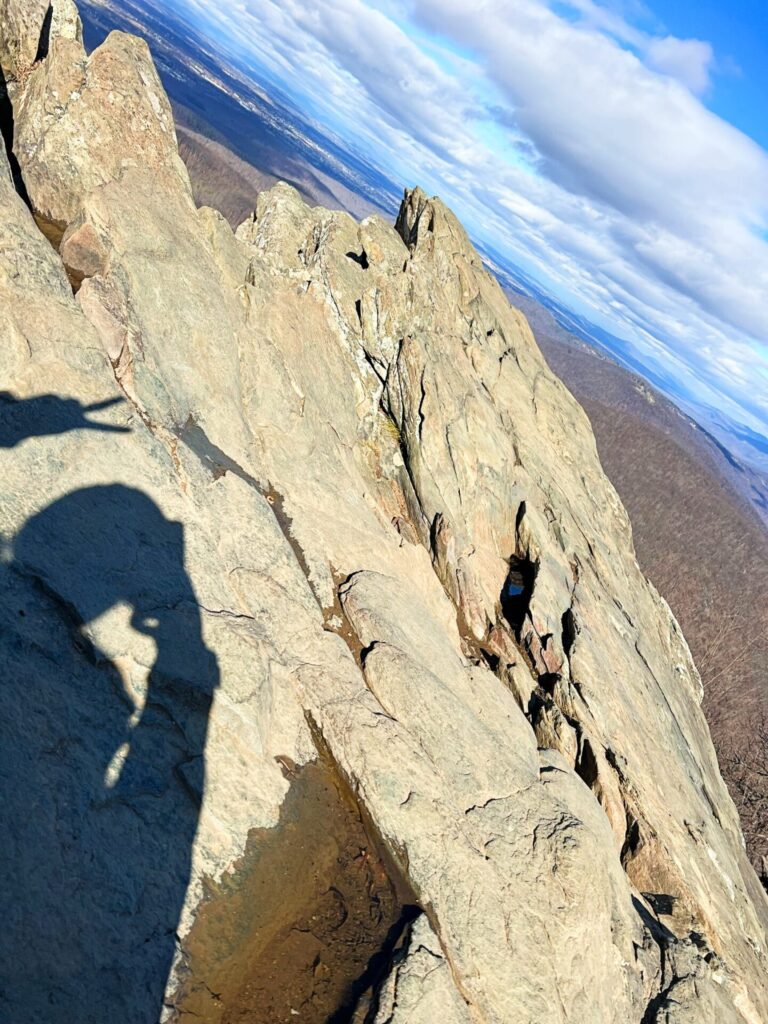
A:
<point x="420" y="990"/>
<point x="308" y="493"/>
<point x="21" y="26"/>
<point x="27" y="28"/>
<point x="107" y="112"/>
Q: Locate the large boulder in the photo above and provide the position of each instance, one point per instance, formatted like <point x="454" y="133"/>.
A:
<point x="83" y="121"/>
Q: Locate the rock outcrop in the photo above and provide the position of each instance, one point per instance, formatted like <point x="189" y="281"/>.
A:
<point x="333" y="690"/>
<point x="27" y="29"/>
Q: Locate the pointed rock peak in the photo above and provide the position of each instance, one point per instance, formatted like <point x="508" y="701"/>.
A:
<point x="86" y="145"/>
<point x="416" y="216"/>
<point x="422" y="220"/>
<point x="279" y="224"/>
<point x="21" y="26"/>
<point x="282" y="201"/>
<point x="61" y="21"/>
<point x="65" y="21"/>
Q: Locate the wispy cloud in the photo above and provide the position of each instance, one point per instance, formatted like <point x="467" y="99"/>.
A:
<point x="571" y="136"/>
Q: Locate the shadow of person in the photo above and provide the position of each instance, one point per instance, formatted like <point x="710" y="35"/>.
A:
<point x="46" y="415"/>
<point x="101" y="762"/>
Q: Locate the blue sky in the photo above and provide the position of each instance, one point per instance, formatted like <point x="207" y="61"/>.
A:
<point x="613" y="149"/>
<point x="738" y="31"/>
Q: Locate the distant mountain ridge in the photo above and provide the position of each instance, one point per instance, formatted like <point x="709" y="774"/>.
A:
<point x="746" y="450"/>
<point x="218" y="101"/>
<point x="553" y="326"/>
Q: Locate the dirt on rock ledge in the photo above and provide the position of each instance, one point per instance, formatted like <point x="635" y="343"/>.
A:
<point x="306" y="921"/>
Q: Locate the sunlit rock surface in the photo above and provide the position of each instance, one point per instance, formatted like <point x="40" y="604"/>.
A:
<point x="299" y="528"/>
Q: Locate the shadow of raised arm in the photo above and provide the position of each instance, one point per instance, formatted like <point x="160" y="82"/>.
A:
<point x="46" y="415"/>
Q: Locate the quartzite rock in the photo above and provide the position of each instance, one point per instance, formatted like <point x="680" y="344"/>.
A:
<point x="27" y="28"/>
<point x="291" y="541"/>
<point x="108" y="112"/>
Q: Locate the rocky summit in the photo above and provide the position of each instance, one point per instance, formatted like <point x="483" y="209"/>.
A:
<point x="332" y="690"/>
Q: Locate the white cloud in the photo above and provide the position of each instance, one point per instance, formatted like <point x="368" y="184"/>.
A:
<point x="691" y="61"/>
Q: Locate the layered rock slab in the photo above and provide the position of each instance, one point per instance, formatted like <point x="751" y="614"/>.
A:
<point x="357" y="434"/>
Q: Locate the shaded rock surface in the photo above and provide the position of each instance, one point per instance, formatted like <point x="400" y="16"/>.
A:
<point x="263" y="499"/>
<point x="308" y="914"/>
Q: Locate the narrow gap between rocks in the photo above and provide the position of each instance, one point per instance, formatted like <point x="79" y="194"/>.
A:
<point x="335" y="621"/>
<point x="363" y="997"/>
<point x="7" y="129"/>
<point x="53" y="232"/>
<point x="570" y="631"/>
<point x="44" y="44"/>
<point x="517" y="591"/>
<point x="586" y="765"/>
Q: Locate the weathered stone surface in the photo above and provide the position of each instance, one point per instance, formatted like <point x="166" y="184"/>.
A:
<point x="420" y="989"/>
<point x="65" y="21"/>
<point x="101" y="860"/>
<point x="21" y="26"/>
<point x="108" y="112"/>
<point x="343" y="513"/>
